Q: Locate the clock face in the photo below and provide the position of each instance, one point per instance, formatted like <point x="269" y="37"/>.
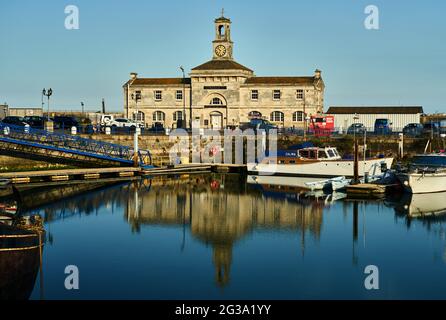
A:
<point x="220" y="50"/>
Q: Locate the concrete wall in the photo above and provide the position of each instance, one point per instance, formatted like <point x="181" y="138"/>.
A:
<point x="23" y="112"/>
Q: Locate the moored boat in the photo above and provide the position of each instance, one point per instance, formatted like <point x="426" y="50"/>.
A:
<point x="318" y="163"/>
<point x="426" y="174"/>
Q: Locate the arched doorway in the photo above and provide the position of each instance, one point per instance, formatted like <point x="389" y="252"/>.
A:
<point x="216" y="120"/>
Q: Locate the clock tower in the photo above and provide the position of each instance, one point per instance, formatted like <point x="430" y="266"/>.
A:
<point x="222" y="45"/>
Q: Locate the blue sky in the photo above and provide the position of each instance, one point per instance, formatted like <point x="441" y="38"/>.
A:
<point x="403" y="63"/>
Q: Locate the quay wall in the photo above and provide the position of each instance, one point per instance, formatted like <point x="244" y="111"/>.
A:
<point x="159" y="146"/>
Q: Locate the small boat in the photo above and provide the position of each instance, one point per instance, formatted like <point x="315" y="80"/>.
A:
<point x="4" y="182"/>
<point x="337" y="183"/>
<point x="426" y="174"/>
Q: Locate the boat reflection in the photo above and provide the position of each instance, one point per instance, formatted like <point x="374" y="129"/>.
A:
<point x="21" y="245"/>
<point x="431" y="206"/>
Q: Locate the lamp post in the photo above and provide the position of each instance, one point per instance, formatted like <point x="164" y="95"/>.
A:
<point x="48" y="93"/>
<point x="136" y="97"/>
<point x="183" y="119"/>
<point x="82" y="107"/>
<point x="356" y="156"/>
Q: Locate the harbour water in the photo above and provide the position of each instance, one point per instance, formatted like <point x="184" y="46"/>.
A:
<point x="214" y="236"/>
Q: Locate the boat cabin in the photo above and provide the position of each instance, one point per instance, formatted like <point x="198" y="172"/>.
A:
<point x="306" y="154"/>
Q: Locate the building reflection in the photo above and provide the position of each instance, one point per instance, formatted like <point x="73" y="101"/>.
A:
<point x="221" y="209"/>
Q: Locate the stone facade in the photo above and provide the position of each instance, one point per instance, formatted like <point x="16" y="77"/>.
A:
<point x="221" y="93"/>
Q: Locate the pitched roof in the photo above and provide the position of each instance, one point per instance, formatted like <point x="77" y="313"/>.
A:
<point x="280" y="80"/>
<point x="160" y="81"/>
<point x="375" y="110"/>
<point x="221" y="65"/>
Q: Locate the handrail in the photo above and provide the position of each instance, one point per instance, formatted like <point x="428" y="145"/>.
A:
<point x="70" y="142"/>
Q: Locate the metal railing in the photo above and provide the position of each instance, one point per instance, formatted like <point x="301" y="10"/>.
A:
<point x="66" y="143"/>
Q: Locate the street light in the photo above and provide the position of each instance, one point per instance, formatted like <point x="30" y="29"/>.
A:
<point x="183" y="119"/>
<point x="136" y="97"/>
<point x="82" y="106"/>
<point x="48" y="93"/>
<point x="356" y="162"/>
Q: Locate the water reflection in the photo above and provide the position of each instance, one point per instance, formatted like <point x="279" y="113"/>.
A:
<point x="21" y="245"/>
<point x="222" y="211"/>
<point x="428" y="209"/>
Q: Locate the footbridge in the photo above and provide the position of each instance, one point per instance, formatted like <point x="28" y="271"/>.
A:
<point x="36" y="144"/>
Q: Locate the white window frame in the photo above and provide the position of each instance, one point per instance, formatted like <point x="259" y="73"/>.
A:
<point x="139" y="116"/>
<point x="273" y="117"/>
<point x="175" y="115"/>
<point x="179" y="95"/>
<point x="156" y="118"/>
<point x="296" y="115"/>
<point x="275" y="92"/>
<point x="158" y="95"/>
<point x="216" y="104"/>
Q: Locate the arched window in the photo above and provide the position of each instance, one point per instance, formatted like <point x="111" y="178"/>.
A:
<point x="159" y="116"/>
<point x="140" y="116"/>
<point x="221" y="30"/>
<point x="277" y="116"/>
<point x="178" y="116"/>
<point x="298" y="116"/>
<point x="216" y="102"/>
<point x="255" y="115"/>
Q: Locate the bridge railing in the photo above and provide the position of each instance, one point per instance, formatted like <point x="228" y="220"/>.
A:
<point x="73" y="142"/>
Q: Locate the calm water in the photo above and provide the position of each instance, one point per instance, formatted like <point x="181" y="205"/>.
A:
<point x="216" y="237"/>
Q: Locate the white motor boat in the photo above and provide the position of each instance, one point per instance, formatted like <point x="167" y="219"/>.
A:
<point x="317" y="163"/>
<point x="424" y="180"/>
<point x="427" y="174"/>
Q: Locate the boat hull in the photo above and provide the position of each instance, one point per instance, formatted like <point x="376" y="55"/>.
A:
<point x="320" y="169"/>
<point x="423" y="182"/>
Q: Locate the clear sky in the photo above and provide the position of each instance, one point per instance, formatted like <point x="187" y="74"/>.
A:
<point x="402" y="63"/>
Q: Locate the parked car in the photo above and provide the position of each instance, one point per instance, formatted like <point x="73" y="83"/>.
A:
<point x="35" y="121"/>
<point x="356" y="128"/>
<point x="65" y="122"/>
<point x="383" y="126"/>
<point x="15" y="121"/>
<point x="413" y="130"/>
<point x="123" y="123"/>
<point x="156" y="127"/>
<point x="259" y="124"/>
<point x="431" y="128"/>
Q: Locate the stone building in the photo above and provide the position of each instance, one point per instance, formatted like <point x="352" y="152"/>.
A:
<point x="221" y="93"/>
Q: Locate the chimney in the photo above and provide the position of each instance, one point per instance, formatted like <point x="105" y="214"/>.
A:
<point x="133" y="75"/>
<point x="317" y="74"/>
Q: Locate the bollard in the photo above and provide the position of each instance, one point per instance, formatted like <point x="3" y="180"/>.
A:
<point x="26" y="128"/>
<point x="138" y="130"/>
<point x="107" y="130"/>
<point x="73" y="130"/>
<point x="167" y="131"/>
<point x="6" y="131"/>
